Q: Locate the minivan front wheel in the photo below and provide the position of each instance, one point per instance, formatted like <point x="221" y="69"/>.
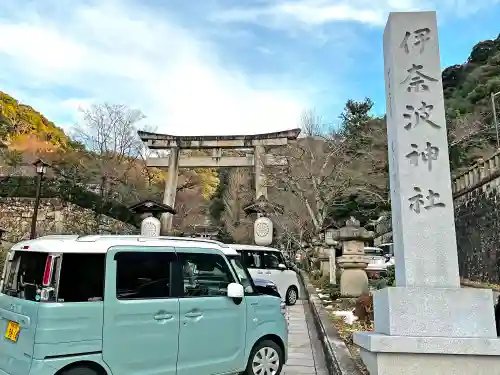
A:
<point x="291" y="296"/>
<point x="266" y="359"/>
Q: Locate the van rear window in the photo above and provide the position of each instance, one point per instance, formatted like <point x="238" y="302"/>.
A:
<point x="24" y="274"/>
<point x="66" y="277"/>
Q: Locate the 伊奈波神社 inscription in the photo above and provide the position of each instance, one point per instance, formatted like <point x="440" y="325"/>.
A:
<point x="421" y="36"/>
<point x="427" y="155"/>
<point x="418" y="82"/>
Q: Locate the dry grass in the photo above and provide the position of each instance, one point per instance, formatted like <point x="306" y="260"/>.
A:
<point x="479" y="284"/>
<point x="346" y="332"/>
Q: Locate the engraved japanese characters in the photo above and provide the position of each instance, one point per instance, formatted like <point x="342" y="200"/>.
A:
<point x="419" y="113"/>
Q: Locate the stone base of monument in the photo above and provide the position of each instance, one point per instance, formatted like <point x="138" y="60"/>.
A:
<point x="451" y="312"/>
<point x="395" y="355"/>
<point x="431" y="331"/>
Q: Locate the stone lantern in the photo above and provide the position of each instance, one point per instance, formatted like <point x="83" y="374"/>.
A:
<point x="146" y="212"/>
<point x="353" y="281"/>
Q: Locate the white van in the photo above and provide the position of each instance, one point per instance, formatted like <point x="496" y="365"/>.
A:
<point x="268" y="263"/>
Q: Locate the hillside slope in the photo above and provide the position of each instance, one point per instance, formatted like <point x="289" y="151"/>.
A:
<point x="21" y="126"/>
<point x="467" y="91"/>
<point x="121" y="177"/>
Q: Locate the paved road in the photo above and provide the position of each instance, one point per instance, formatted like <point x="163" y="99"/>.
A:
<point x="305" y="354"/>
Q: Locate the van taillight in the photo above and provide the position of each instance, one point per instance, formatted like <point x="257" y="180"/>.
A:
<point x="47" y="273"/>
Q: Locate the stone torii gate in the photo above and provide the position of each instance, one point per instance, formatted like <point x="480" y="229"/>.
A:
<point x="255" y="145"/>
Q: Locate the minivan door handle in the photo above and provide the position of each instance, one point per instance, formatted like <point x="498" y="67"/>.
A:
<point x="193" y="314"/>
<point x="163" y="316"/>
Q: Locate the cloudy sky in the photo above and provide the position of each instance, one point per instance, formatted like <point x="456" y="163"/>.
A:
<point x="214" y="66"/>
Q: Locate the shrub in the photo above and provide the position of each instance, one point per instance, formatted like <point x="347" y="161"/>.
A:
<point x="334" y="292"/>
<point x="364" y="308"/>
<point x="391" y="276"/>
<point x="379" y="284"/>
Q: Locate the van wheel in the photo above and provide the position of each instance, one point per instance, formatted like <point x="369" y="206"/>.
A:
<point x="266" y="359"/>
<point x="291" y="296"/>
<point x="80" y="370"/>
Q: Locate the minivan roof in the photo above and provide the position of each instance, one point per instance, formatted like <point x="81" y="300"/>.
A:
<point x="252" y="247"/>
<point x="102" y="243"/>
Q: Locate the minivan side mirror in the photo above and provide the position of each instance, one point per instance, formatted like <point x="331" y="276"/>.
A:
<point x="281" y="267"/>
<point x="235" y="290"/>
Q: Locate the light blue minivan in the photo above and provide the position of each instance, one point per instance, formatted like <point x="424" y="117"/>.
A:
<point x="132" y="305"/>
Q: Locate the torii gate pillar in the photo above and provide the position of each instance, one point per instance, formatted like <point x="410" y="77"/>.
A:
<point x="170" y="190"/>
<point x="260" y="176"/>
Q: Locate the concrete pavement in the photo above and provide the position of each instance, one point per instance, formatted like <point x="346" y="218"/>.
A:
<point x="305" y="354"/>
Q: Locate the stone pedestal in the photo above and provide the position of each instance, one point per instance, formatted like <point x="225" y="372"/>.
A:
<point x="323" y="256"/>
<point x="427" y="324"/>
<point x="353" y="281"/>
<point x="325" y="266"/>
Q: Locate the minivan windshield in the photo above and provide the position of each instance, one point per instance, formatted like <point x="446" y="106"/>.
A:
<point x="242" y="272"/>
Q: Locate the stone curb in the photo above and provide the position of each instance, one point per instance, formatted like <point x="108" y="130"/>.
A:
<point x="337" y="356"/>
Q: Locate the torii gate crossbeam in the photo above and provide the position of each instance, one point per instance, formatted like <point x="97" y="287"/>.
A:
<point x="175" y="160"/>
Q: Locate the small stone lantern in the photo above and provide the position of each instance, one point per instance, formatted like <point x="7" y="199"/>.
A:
<point x="146" y="211"/>
<point x="353" y="281"/>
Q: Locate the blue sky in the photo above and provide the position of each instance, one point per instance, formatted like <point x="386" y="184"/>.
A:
<point x="214" y="66"/>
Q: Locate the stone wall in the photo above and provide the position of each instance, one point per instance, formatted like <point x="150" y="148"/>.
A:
<point x="477" y="220"/>
<point x="55" y="216"/>
<point x="476" y="194"/>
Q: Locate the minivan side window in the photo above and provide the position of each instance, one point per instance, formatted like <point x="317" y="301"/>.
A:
<point x="205" y="275"/>
<point x="272" y="259"/>
<point x="252" y="259"/>
<point x="82" y="278"/>
<point x="144" y="275"/>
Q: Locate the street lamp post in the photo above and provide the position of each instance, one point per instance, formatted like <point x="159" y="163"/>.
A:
<point x="41" y="169"/>
<point x="493" y="106"/>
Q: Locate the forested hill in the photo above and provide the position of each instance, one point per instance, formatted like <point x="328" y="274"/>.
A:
<point x="113" y="168"/>
<point x="467" y="90"/>
<point x="23" y="127"/>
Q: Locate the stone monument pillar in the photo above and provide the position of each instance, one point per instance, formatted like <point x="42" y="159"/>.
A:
<point x="353" y="281"/>
<point x="427" y="324"/>
<point x="332" y="244"/>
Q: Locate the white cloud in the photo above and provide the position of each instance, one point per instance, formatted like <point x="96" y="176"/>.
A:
<point x="109" y="51"/>
<point x="289" y="14"/>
